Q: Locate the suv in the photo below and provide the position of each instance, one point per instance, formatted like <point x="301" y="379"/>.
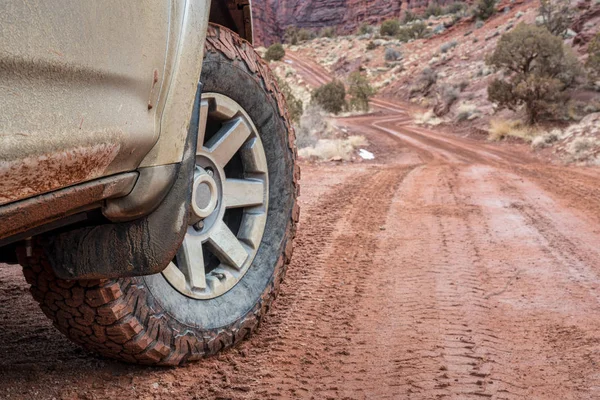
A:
<point x="148" y="176"/>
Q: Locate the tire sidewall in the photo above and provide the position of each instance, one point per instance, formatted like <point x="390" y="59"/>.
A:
<point x="234" y="80"/>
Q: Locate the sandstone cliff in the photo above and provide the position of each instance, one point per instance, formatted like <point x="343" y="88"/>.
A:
<point x="272" y="17"/>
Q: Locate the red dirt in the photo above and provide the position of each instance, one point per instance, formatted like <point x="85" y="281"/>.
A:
<point x="446" y="268"/>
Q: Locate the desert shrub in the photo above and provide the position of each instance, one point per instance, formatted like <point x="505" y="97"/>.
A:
<point x="417" y="30"/>
<point x="593" y="61"/>
<point x="365" y="29"/>
<point x="556" y="15"/>
<point x="448" y="45"/>
<point x="432" y="10"/>
<point x="454" y="8"/>
<point x="328" y="32"/>
<point x="423" y="84"/>
<point x="538" y="68"/>
<point x="305" y="35"/>
<point x="311" y="127"/>
<point x="447" y="96"/>
<point x="546" y="139"/>
<point x="331" y="96"/>
<point x="275" y="52"/>
<point x="360" y="91"/>
<point x="390" y="27"/>
<point x="295" y="106"/>
<point x="465" y="111"/>
<point x="410" y="16"/>
<point x="501" y="129"/>
<point x="291" y="35"/>
<point x="392" y="54"/>
<point x="484" y="9"/>
<point x="581" y="148"/>
<point x="479" y="24"/>
<point x="371" y="45"/>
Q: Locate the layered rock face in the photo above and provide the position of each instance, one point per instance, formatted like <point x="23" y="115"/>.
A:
<point x="273" y="17"/>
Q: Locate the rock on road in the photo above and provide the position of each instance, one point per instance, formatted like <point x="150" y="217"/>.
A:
<point x="445" y="268"/>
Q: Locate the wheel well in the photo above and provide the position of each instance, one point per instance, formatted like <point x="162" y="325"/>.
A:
<point x="233" y="14"/>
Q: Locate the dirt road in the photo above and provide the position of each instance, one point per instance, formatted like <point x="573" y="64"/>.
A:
<point x="445" y="268"/>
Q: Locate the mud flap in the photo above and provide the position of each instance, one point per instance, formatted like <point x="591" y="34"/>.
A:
<point x="141" y="247"/>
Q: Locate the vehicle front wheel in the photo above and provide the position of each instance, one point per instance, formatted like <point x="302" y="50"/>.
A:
<point x="238" y="244"/>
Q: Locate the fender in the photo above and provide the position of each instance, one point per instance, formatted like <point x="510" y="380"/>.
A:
<point x="141" y="247"/>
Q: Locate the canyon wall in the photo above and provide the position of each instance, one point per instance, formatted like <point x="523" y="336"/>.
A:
<point x="273" y="17"/>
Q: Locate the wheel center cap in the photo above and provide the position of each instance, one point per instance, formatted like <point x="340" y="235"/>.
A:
<point x="204" y="195"/>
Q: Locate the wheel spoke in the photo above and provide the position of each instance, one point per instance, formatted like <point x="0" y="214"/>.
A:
<point x="243" y="193"/>
<point x="191" y="262"/>
<point x="204" y="106"/>
<point x="226" y="246"/>
<point x="228" y="140"/>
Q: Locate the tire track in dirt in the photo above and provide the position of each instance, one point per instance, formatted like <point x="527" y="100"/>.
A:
<point x="316" y="341"/>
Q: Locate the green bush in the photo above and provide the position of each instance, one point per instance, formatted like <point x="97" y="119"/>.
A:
<point x="390" y="27"/>
<point x="485" y="9"/>
<point x="538" y="69"/>
<point x="331" y="96"/>
<point x="295" y="106"/>
<point x="432" y="10"/>
<point x="556" y="15"/>
<point x="418" y="30"/>
<point x="275" y="52"/>
<point x="328" y="32"/>
<point x="454" y="8"/>
<point x="593" y="61"/>
<point x="305" y="35"/>
<point x="360" y="92"/>
<point x="410" y="16"/>
<point x="291" y="35"/>
<point x="365" y="29"/>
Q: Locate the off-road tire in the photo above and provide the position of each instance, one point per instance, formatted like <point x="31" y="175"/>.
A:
<point x="123" y="318"/>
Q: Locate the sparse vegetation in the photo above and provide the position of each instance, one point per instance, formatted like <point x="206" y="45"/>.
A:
<point x="275" y="52"/>
<point x="447" y="46"/>
<point x="501" y="129"/>
<point x="432" y="10"/>
<point x="328" y="32"/>
<point x="484" y="9"/>
<point x="360" y="92"/>
<point x="454" y="8"/>
<point x="546" y="139"/>
<point x="333" y="149"/>
<point x="556" y="15"/>
<point x="424" y="82"/>
<point x="331" y="96"/>
<point x="371" y="46"/>
<point x="417" y="30"/>
<point x="365" y="29"/>
<point x="392" y="54"/>
<point x="295" y="106"/>
<point x="447" y="96"/>
<point x="538" y="69"/>
<point x="593" y="61"/>
<point x="409" y="16"/>
<point x="582" y="148"/>
<point x="390" y="27"/>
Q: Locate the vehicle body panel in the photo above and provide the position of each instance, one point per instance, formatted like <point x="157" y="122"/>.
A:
<point x="87" y="86"/>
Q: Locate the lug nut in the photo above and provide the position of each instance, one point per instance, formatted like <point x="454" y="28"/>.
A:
<point x="209" y="171"/>
<point x="199" y="226"/>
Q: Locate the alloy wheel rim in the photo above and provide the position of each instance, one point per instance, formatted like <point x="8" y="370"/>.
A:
<point x="229" y="206"/>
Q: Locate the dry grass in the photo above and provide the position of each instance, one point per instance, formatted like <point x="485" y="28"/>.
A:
<point x="546" y="139"/>
<point x="583" y="149"/>
<point x="333" y="149"/>
<point x="427" y="118"/>
<point x="501" y="129"/>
